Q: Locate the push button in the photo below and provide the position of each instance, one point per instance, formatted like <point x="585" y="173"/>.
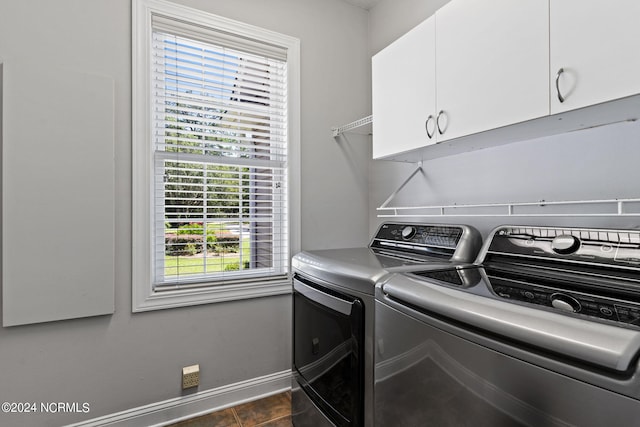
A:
<point x="606" y="311"/>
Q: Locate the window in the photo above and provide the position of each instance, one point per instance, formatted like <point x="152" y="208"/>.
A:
<point x="214" y="153"/>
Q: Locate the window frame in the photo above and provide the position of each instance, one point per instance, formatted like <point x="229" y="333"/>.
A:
<point x="144" y="297"/>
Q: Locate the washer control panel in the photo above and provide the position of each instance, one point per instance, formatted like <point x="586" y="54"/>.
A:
<point x="593" y="246"/>
<point x="569" y="301"/>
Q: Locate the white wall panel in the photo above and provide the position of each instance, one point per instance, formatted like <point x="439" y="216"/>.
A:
<point x="58" y="194"/>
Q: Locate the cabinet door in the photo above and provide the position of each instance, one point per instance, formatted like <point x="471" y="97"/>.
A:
<point x="597" y="44"/>
<point x="492" y="62"/>
<point x="403" y="97"/>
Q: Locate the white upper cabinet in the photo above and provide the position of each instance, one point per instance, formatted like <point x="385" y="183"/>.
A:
<point x="481" y="73"/>
<point x="492" y="64"/>
<point x="596" y="44"/>
<point x="404" y="92"/>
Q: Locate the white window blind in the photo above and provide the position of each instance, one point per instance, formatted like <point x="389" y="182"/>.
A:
<point x="219" y="130"/>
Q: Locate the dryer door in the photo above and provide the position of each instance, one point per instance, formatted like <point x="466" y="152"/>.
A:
<point x="328" y="331"/>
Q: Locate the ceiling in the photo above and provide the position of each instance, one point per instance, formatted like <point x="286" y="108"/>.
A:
<point x="365" y="4"/>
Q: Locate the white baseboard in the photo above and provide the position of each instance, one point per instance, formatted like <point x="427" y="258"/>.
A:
<point x="180" y="408"/>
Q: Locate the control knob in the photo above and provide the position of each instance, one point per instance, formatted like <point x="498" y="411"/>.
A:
<point x="565" y="244"/>
<point x="565" y="303"/>
<point x="408" y="232"/>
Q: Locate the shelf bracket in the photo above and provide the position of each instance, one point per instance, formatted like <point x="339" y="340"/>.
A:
<point x="404" y="183"/>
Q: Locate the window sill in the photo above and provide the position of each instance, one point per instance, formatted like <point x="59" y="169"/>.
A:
<point x="161" y="300"/>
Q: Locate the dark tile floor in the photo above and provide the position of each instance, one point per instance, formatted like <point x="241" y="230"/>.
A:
<point x="272" y="411"/>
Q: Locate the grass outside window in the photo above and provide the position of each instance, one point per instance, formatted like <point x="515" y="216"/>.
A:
<point x="213" y="263"/>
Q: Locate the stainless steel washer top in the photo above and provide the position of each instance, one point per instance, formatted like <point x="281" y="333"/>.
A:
<point x="396" y="247"/>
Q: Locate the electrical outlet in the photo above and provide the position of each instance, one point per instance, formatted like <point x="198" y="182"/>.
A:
<point x="190" y="376"/>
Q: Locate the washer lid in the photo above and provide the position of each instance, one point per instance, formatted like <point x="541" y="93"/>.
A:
<point x="599" y="344"/>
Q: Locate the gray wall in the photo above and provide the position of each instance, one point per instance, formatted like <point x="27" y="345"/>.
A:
<point x="390" y="19"/>
<point x="335" y="91"/>
<point x="123" y="361"/>
<point x="596" y="164"/>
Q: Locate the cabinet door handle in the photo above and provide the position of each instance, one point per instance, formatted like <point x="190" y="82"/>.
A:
<point x="440" y="130"/>
<point x="560" y="97"/>
<point x="426" y="126"/>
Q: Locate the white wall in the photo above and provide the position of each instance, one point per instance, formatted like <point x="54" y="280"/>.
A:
<point x="596" y="164"/>
<point x="123" y="361"/>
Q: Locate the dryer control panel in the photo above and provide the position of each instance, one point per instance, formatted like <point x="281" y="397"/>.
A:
<point x="455" y="243"/>
<point x="417" y="236"/>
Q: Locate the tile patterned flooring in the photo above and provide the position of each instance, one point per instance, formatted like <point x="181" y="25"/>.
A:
<point x="272" y="411"/>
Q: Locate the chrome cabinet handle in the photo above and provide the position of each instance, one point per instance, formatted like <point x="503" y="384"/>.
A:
<point x="560" y="97"/>
<point x="440" y="113"/>
<point x="426" y="126"/>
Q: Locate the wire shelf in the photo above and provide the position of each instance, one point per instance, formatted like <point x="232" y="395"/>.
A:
<point x="587" y="208"/>
<point x="540" y="208"/>
<point x="337" y="131"/>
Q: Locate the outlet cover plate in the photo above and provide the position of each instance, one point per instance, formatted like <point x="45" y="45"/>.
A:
<point x="190" y="376"/>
